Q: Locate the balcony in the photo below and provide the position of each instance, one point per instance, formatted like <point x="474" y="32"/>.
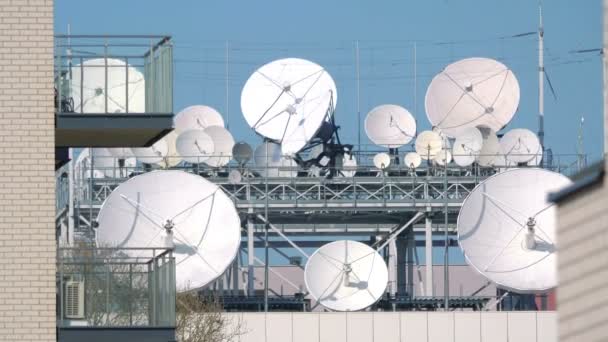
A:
<point x="112" y="91"/>
<point x="122" y="294"/>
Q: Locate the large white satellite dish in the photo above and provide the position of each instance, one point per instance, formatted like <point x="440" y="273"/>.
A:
<point x="154" y="154"/>
<point x="178" y="208"/>
<point x="287" y="100"/>
<point x="412" y="160"/>
<point x="382" y="161"/>
<point x="519" y="145"/>
<point x="197" y="117"/>
<point x="506" y="228"/>
<point x="91" y="77"/>
<point x="242" y="152"/>
<point x="222" y="146"/>
<point x="390" y="126"/>
<point x="443" y="157"/>
<point x="467" y="146"/>
<point x="428" y="144"/>
<point x="472" y="92"/>
<point x="490" y="149"/>
<point x="346" y="275"/>
<point x="173" y="158"/>
<point x="270" y="162"/>
<point x="108" y="164"/>
<point x="195" y="146"/>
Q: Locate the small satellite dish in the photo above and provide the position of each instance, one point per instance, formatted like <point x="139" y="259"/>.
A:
<point x="174" y="209"/>
<point x="91" y="77"/>
<point x="234" y="177"/>
<point x="222" y="143"/>
<point x="472" y="92"/>
<point x="195" y="146"/>
<point x="467" y="146"/>
<point x="154" y="154"/>
<point x="173" y="158"/>
<point x="428" y="144"/>
<point x="390" y="126"/>
<point x="538" y="157"/>
<point x="412" y="160"/>
<point x="443" y="157"/>
<point x="288" y="100"/>
<point x="490" y="148"/>
<point x="506" y="228"/>
<point x="519" y="145"/>
<point x="349" y="166"/>
<point x="242" y="152"/>
<point x="197" y="117"/>
<point x="346" y="275"/>
<point x="270" y="162"/>
<point x="382" y="161"/>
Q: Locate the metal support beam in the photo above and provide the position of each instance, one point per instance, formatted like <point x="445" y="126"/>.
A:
<point x="250" y="255"/>
<point x="396" y="233"/>
<point x="401" y="242"/>
<point x="428" y="254"/>
<point x="278" y="231"/>
<point x="411" y="245"/>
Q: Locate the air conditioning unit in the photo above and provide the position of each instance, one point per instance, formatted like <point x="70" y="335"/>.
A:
<point x="74" y="299"/>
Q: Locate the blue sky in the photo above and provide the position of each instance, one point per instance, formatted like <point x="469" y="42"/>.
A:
<point x="324" y="31"/>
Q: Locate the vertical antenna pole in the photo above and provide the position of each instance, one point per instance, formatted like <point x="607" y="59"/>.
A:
<point x="357" y="75"/>
<point x="227" y="112"/>
<point x="266" y="261"/>
<point x="605" y="71"/>
<point x="541" y="80"/>
<point x="415" y="83"/>
<point x="446" y="257"/>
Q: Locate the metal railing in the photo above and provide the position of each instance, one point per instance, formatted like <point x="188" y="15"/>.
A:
<point x="102" y="74"/>
<point x="121" y="287"/>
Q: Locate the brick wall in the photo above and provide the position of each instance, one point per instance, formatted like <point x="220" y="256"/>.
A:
<point x="27" y="196"/>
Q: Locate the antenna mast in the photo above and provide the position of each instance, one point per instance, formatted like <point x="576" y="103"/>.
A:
<point x="541" y="79"/>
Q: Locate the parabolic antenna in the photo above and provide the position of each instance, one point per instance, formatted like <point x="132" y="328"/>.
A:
<point x="519" y="145"/>
<point x="91" y="77"/>
<point x="467" y="146"/>
<point x="82" y="166"/>
<point x="490" y="148"/>
<point x="472" y="92"/>
<point x="121" y="152"/>
<point x="195" y="146"/>
<point x="154" y="154"/>
<point x="506" y="229"/>
<point x="382" y="161"/>
<point x="222" y="146"/>
<point x="443" y="157"/>
<point x="171" y="207"/>
<point x="270" y="162"/>
<point x="242" y="152"/>
<point x="346" y="275"/>
<point x="412" y="160"/>
<point x="235" y="177"/>
<point x="390" y="126"/>
<point x="173" y="158"/>
<point x="287" y="101"/>
<point x="197" y="117"/>
<point x="428" y="144"/>
<point x="108" y="164"/>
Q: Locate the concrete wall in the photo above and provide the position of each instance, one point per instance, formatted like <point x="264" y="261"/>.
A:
<point x="398" y="327"/>
<point x="27" y="185"/>
<point x="582" y="295"/>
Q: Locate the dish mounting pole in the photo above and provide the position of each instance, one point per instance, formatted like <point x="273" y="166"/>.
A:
<point x="541" y="81"/>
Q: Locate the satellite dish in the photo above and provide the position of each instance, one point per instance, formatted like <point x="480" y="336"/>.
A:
<point x="154" y="154"/>
<point x="506" y="228"/>
<point x="222" y="143"/>
<point x="346" y="275"/>
<point x="242" y="152"/>
<point x="271" y="163"/>
<point x="195" y="146"/>
<point x="390" y="126"/>
<point x="519" y="145"/>
<point x="349" y="166"/>
<point x="490" y="147"/>
<point x="121" y="152"/>
<point x="472" y="92"/>
<point x="234" y="177"/>
<point x="382" y="161"/>
<point x="108" y="164"/>
<point x="91" y="77"/>
<point x="197" y="117"/>
<point x="173" y="158"/>
<point x="179" y="209"/>
<point x="288" y="100"/>
<point x="412" y="160"/>
<point x="428" y="144"/>
<point x="467" y="146"/>
<point x="538" y="157"/>
<point x="443" y="157"/>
